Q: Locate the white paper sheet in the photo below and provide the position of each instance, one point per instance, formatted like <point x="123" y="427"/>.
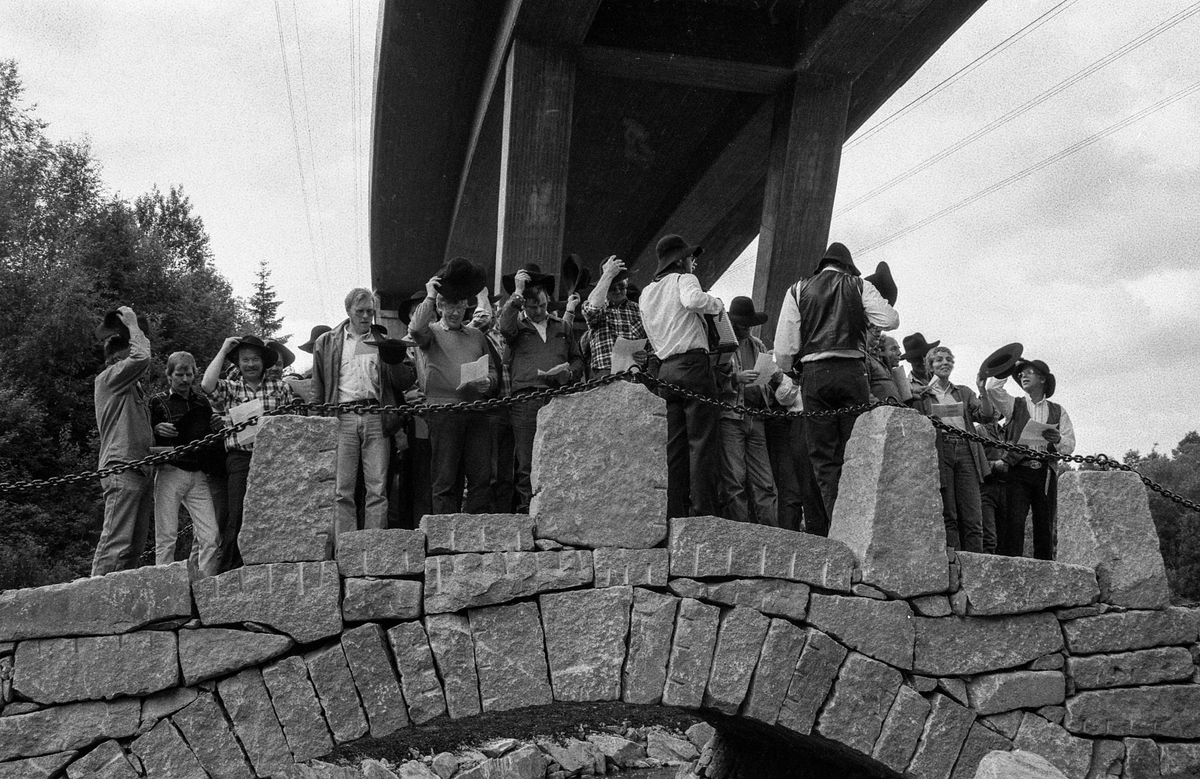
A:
<point x="471" y="371"/>
<point x="240" y="413"/>
<point x="766" y="367"/>
<point x="622" y="353"/>
<point x="1031" y="436"/>
<point x="562" y="367"/>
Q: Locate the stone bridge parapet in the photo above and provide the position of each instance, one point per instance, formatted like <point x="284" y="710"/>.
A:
<point x="868" y="649"/>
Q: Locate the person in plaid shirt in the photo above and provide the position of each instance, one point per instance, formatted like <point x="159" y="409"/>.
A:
<point x="610" y="315"/>
<point x="249" y="395"/>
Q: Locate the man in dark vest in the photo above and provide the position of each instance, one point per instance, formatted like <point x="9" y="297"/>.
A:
<point x="1032" y="480"/>
<point x="824" y="321"/>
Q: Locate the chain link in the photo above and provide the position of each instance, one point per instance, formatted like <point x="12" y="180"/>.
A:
<point x="634" y="375"/>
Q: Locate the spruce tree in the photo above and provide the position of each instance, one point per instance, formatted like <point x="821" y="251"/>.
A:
<point x="263" y="306"/>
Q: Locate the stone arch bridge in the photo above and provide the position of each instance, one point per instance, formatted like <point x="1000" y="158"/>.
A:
<point x="867" y="653"/>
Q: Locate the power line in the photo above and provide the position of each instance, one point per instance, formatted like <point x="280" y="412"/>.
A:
<point x="287" y="80"/>
<point x="1076" y="147"/>
<point x="951" y="79"/>
<point x="1061" y="86"/>
<point x="312" y="156"/>
<point x="354" y="130"/>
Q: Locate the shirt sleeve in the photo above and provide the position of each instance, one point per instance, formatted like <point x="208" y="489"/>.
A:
<point x="787" y="331"/>
<point x="1001" y="400"/>
<point x="693" y="298"/>
<point x="419" y="324"/>
<point x="879" y="312"/>
<point x="1067" y="430"/>
<point x="130" y="369"/>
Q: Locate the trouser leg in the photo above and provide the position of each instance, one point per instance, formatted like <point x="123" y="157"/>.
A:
<point x="375" y="454"/>
<point x="783" y="469"/>
<point x="170" y="483"/>
<point x="758" y="472"/>
<point x="524" y="422"/>
<point x="502" y="459"/>
<point x="349" y="455"/>
<point x="127" y="508"/>
<point x="991" y="502"/>
<point x="678" y="470"/>
<point x="446" y="434"/>
<point x="237" y="469"/>
<point x="1044" y="504"/>
<point x="735" y="504"/>
<point x="946" y="484"/>
<point x="198" y="501"/>
<point x="966" y="498"/>
<point x="1011" y="541"/>
<point x="829" y="385"/>
<point x="477" y="466"/>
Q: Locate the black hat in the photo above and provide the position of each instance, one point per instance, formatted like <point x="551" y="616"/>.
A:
<point x="672" y="249"/>
<point x="313" y="335"/>
<point x="838" y="253"/>
<point x="882" y="280"/>
<point x="915" y="346"/>
<point x="461" y="279"/>
<point x="1002" y="362"/>
<point x="633" y="291"/>
<point x="1041" y="368"/>
<point x="286" y="357"/>
<point x="407" y="306"/>
<point x="741" y="312"/>
<point x="576" y="276"/>
<point x="536" y="279"/>
<point x="269" y="355"/>
<point x="112" y="325"/>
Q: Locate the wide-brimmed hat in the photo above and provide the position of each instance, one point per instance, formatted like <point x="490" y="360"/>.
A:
<point x="536" y="279"/>
<point x="1041" y="368"/>
<point x="461" y="279"/>
<point x="839" y="254"/>
<point x="741" y="312"/>
<point x="672" y="249"/>
<point x="313" y="335"/>
<point x="286" y="356"/>
<point x="1002" y="362"/>
<point x="269" y="355"/>
<point x="882" y="280"/>
<point x="915" y="346"/>
<point x="112" y="325"/>
<point x="576" y="276"/>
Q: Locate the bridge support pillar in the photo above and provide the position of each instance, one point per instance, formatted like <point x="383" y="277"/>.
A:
<point x="802" y="169"/>
<point x="539" y="88"/>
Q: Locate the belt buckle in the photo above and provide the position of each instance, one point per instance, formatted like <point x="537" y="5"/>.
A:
<point x="1034" y="464"/>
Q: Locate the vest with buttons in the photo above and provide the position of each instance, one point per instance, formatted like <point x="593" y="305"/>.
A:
<point x="1016" y="425"/>
<point x="832" y="316"/>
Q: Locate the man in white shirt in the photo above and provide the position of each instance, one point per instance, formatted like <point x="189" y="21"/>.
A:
<point x="1032" y="481"/>
<point x="823" y="321"/>
<point x="673" y="306"/>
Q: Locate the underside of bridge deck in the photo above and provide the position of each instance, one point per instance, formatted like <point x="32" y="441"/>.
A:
<point x="526" y="130"/>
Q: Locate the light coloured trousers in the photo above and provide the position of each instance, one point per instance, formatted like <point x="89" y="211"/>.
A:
<point x="173" y="487"/>
<point x="361" y="440"/>
<point x="127" y="510"/>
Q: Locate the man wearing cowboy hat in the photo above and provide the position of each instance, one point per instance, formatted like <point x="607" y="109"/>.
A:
<point x="673" y="308"/>
<point x="610" y="314"/>
<point x="544" y="353"/>
<point x="251" y="394"/>
<point x="460" y="440"/>
<point x="1032" y="481"/>
<point x="823" y="322"/>
<point x="123" y="419"/>
<point x="915" y="349"/>
<point x="349" y="367"/>
<point x="744" y="456"/>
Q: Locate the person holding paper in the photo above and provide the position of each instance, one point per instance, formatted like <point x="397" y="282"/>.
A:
<point x="747" y="380"/>
<point x="459" y="368"/>
<point x="1032" y="481"/>
<point x="249" y="395"/>
<point x="962" y="464"/>
<point x="543" y="354"/>
<point x="610" y="315"/>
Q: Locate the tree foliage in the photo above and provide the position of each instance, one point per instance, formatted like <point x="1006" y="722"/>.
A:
<point x="1178" y="528"/>
<point x="69" y="252"/>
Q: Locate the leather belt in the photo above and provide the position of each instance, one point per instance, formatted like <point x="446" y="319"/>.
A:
<point x="1032" y="465"/>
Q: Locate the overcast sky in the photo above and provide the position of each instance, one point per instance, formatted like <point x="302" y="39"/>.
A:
<point x="1090" y="261"/>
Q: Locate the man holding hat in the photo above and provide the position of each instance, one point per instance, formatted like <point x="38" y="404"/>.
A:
<point x="249" y="395"/>
<point x="673" y="308"/>
<point x="349" y="366"/>
<point x="1032" y="481"/>
<point x="123" y="419"/>
<point x="744" y="456"/>
<point x="610" y="314"/>
<point x="543" y="353"/>
<point x="915" y="349"/>
<point x="824" y="321"/>
<point x="460" y="440"/>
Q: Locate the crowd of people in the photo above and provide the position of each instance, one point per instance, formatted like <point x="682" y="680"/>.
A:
<point x="724" y="458"/>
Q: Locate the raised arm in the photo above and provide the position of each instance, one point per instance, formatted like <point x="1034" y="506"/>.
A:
<point x="213" y="372"/>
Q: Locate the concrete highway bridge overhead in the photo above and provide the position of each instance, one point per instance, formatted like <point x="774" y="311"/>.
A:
<point x="513" y="131"/>
<point x="868" y="654"/>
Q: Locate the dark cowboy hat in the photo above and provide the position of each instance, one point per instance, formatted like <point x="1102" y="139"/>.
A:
<point x="313" y="335"/>
<point x="536" y="279"/>
<point x="461" y="279"/>
<point x="112" y="325"/>
<point x="1041" y="368"/>
<point x="576" y="276"/>
<point x="838" y="253"/>
<point x="269" y="355"/>
<point x="672" y="249"/>
<point x="286" y="357"/>
<point x="741" y="312"/>
<point x="915" y="346"/>
<point x="406" y="306"/>
<point x="1001" y="363"/>
<point x="882" y="280"/>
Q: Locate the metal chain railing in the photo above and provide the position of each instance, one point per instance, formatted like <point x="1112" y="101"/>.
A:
<point x="633" y="375"/>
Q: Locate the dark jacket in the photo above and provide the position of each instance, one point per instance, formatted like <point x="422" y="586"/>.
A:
<point x="832" y="316"/>
<point x="972" y="413"/>
<point x="529" y="354"/>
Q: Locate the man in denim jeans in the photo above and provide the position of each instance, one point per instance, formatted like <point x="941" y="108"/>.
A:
<point x="673" y="306"/>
